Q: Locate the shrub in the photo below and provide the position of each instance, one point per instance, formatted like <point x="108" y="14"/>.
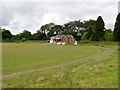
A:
<point x="85" y="36"/>
<point x="108" y="36"/>
<point x="23" y="39"/>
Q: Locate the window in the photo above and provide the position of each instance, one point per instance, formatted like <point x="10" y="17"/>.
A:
<point x="64" y="39"/>
<point x="71" y="40"/>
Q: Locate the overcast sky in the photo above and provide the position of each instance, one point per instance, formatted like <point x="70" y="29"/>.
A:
<point x="19" y="16"/>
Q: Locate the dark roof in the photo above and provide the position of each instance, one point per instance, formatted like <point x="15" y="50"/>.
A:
<point x="59" y="36"/>
<point x="69" y="36"/>
<point x="62" y="36"/>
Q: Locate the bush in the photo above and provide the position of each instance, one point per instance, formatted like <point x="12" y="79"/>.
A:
<point x="85" y="36"/>
<point x="108" y="36"/>
<point x="23" y="39"/>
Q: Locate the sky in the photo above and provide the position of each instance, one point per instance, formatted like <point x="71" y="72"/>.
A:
<point x="17" y="15"/>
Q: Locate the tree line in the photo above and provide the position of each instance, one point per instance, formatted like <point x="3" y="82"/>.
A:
<point x="93" y="30"/>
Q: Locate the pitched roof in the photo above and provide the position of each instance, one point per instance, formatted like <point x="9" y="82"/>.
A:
<point x="59" y="36"/>
<point x="69" y="36"/>
<point x="62" y="36"/>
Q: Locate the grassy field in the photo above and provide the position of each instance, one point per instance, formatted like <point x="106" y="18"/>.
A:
<point x="41" y="65"/>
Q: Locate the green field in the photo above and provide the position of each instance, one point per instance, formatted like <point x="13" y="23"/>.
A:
<point x="41" y="65"/>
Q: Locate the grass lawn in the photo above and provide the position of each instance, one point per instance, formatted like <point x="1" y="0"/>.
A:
<point x="41" y="65"/>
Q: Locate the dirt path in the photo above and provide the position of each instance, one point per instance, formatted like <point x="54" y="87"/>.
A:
<point x="106" y="53"/>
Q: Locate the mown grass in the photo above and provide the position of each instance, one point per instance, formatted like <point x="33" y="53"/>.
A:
<point x="23" y="56"/>
<point x="99" y="69"/>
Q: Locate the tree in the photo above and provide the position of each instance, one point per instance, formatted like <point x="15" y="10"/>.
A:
<point x="117" y="29"/>
<point x="38" y="35"/>
<point x="14" y="37"/>
<point x="98" y="34"/>
<point x="26" y="34"/>
<point x="108" y="36"/>
<point x="6" y="34"/>
<point x="23" y="39"/>
<point x="85" y="36"/>
<point x="18" y="36"/>
<point x="89" y="27"/>
<point x="32" y="36"/>
<point x="0" y="34"/>
<point x="75" y="26"/>
<point x="57" y="29"/>
<point x="47" y="30"/>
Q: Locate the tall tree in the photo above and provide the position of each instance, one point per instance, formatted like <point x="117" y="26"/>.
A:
<point x="26" y="34"/>
<point x="6" y="34"/>
<point x="46" y="28"/>
<point x="117" y="29"/>
<point x="98" y="34"/>
<point x="37" y="36"/>
<point x="75" y="26"/>
<point x="57" y="29"/>
<point x="0" y="34"/>
<point x="89" y="27"/>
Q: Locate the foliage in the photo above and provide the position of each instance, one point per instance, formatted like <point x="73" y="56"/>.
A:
<point x="75" y="26"/>
<point x="38" y="36"/>
<point x="6" y="34"/>
<point x="14" y="37"/>
<point x="18" y="37"/>
<point x="0" y="34"/>
<point x="117" y="29"/>
<point x="90" y="27"/>
<point x="87" y="30"/>
<point x="98" y="34"/>
<point x="108" y="36"/>
<point x="26" y="34"/>
<point x="57" y="29"/>
<point x="23" y="39"/>
<point x="85" y="36"/>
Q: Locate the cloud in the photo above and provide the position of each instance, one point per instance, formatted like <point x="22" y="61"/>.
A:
<point x="60" y="1"/>
<point x="119" y="7"/>
<point x="32" y="15"/>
